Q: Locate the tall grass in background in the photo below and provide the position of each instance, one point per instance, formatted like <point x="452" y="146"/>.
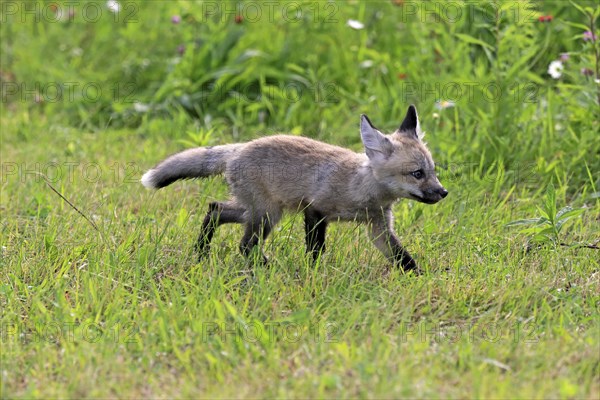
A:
<point x="478" y="72"/>
<point x="304" y="69"/>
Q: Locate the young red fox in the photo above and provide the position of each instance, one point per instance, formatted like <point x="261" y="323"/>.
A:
<point x="269" y="175"/>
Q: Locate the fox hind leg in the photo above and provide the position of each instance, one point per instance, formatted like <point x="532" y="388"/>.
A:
<point x="258" y="227"/>
<point x="314" y="227"/>
<point x="218" y="214"/>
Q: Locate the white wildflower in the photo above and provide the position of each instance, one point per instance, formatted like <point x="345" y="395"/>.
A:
<point x="443" y="104"/>
<point x="141" y="107"/>
<point x="113" y="6"/>
<point x="366" y="64"/>
<point x="555" y="69"/>
<point x="59" y="14"/>
<point x="354" y="24"/>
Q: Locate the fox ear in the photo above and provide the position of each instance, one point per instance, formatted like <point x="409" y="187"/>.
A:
<point x="377" y="146"/>
<point x="410" y="126"/>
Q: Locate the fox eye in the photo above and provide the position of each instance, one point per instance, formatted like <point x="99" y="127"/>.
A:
<point x="418" y="174"/>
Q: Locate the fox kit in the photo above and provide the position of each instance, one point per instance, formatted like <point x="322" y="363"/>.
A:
<point x="327" y="183"/>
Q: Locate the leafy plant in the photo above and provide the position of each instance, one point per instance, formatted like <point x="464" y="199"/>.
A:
<point x="200" y="138"/>
<point x="547" y="228"/>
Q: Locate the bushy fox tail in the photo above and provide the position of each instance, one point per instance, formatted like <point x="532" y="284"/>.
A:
<point x="193" y="163"/>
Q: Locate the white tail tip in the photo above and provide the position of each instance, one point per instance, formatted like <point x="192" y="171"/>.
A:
<point x="148" y="179"/>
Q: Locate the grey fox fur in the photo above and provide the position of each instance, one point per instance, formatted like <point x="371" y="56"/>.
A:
<point x="327" y="183"/>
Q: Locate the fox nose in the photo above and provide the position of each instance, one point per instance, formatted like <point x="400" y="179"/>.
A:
<point x="443" y="192"/>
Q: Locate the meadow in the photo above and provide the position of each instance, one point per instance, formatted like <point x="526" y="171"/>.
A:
<point x="102" y="295"/>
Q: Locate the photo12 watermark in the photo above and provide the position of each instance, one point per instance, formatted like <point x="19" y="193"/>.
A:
<point x="70" y="172"/>
<point x="257" y="332"/>
<point x="69" y="332"/>
<point x="68" y="11"/>
<point x="467" y="92"/>
<point x="450" y="332"/>
<point x="452" y="12"/>
<point x="64" y="92"/>
<point x="271" y="11"/>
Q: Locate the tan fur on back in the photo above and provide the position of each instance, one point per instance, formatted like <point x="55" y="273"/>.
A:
<point x="291" y="172"/>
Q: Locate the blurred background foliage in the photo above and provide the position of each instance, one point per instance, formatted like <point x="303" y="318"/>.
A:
<point x="211" y="72"/>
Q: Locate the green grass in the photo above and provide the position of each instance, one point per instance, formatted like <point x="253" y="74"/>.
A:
<point x="116" y="305"/>
<point x="137" y="315"/>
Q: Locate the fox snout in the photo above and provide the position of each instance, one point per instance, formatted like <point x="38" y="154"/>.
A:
<point x="434" y="195"/>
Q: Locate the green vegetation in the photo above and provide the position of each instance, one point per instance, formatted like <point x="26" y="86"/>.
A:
<point x="111" y="301"/>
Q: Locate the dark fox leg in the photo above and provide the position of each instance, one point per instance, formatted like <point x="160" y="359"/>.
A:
<point x="258" y="227"/>
<point x="314" y="227"/>
<point x="387" y="242"/>
<point x="400" y="255"/>
<point x="218" y="214"/>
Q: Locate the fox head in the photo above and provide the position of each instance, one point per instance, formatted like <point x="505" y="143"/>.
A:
<point x="401" y="162"/>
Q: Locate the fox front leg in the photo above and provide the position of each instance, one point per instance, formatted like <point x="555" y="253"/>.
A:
<point x="314" y="227"/>
<point x="387" y="242"/>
